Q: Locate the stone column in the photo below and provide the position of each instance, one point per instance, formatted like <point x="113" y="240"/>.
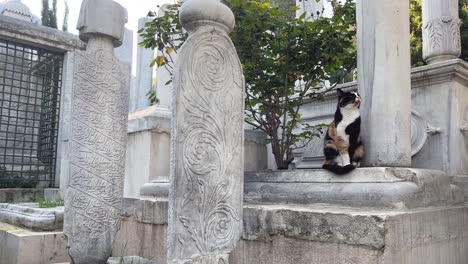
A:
<point x="384" y="81"/>
<point x="205" y="200"/>
<point x="441" y="30"/>
<point x="144" y="73"/>
<point x="98" y="136"/>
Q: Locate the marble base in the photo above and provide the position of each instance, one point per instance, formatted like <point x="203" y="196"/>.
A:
<point x="392" y="188"/>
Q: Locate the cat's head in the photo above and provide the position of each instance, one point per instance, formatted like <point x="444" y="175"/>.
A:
<point x="348" y="100"/>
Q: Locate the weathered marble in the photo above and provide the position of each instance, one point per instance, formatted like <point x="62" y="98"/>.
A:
<point x="441" y="30"/>
<point x="102" y="17"/>
<point x="384" y="81"/>
<point x="30" y="216"/>
<point x="205" y="199"/>
<point x="98" y="136"/>
<point x="390" y="188"/>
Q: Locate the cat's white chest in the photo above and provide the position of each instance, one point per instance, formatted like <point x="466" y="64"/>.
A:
<point x="349" y="116"/>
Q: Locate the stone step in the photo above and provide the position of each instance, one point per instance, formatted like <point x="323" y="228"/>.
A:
<point x="317" y="233"/>
<point x="23" y="246"/>
<point x="392" y="188"/>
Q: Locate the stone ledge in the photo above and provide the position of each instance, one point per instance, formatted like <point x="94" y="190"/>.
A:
<point x="392" y="188"/>
<point x="148" y="211"/>
<point x="33" y="35"/>
<point x="28" y="247"/>
<point x="150" y="118"/>
<point x="360" y="235"/>
<point x="28" y="215"/>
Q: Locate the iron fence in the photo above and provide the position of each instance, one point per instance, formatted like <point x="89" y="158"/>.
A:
<point x="30" y="84"/>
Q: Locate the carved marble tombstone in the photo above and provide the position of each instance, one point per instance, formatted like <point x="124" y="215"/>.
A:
<point x="98" y="134"/>
<point x="205" y="200"/>
<point x="441" y="30"/>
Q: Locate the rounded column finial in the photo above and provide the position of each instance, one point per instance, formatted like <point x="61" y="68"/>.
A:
<point x="196" y="13"/>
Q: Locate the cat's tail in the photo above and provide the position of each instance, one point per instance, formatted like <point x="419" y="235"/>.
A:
<point x="340" y="170"/>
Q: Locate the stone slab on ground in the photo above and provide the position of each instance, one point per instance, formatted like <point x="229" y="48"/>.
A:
<point x="324" y="234"/>
<point x="30" y="216"/>
<point x="22" y="246"/>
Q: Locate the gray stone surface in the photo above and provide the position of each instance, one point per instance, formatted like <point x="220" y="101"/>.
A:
<point x="384" y="81"/>
<point x="392" y="188"/>
<point x="98" y="136"/>
<point x="150" y="118"/>
<point x="158" y="188"/>
<point x="327" y="235"/>
<point x="440" y="95"/>
<point x="441" y="30"/>
<point x="22" y="246"/>
<point x="102" y="18"/>
<point x="38" y="35"/>
<point x="143" y="230"/>
<point x="205" y="200"/>
<point x="303" y="234"/>
<point x="30" y="216"/>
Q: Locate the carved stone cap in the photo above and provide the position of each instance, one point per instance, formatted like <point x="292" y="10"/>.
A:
<point x="196" y="13"/>
<point x="102" y="17"/>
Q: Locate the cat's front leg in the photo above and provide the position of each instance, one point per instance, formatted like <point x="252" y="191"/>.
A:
<point x="346" y="160"/>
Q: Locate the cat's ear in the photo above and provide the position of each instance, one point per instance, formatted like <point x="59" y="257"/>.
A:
<point x="340" y="92"/>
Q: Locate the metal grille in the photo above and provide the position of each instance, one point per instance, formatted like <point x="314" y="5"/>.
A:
<point x="30" y="83"/>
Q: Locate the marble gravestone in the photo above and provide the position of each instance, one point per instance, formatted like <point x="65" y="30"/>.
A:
<point x="205" y="199"/>
<point x="98" y="134"/>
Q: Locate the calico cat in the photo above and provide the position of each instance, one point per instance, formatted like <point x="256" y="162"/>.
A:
<point x="343" y="147"/>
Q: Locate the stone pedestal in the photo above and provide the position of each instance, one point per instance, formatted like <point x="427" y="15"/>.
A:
<point x="148" y="148"/>
<point x="205" y="199"/>
<point x="441" y="30"/>
<point x="98" y="137"/>
<point x="384" y="81"/>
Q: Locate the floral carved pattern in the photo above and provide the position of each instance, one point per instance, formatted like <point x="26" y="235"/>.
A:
<point x="443" y="35"/>
<point x="208" y="144"/>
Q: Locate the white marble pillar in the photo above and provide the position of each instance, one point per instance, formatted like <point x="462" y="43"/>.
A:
<point x="313" y="8"/>
<point x="98" y="135"/>
<point x="205" y="200"/>
<point x="384" y="81"/>
<point x="441" y="30"/>
<point x="144" y="73"/>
